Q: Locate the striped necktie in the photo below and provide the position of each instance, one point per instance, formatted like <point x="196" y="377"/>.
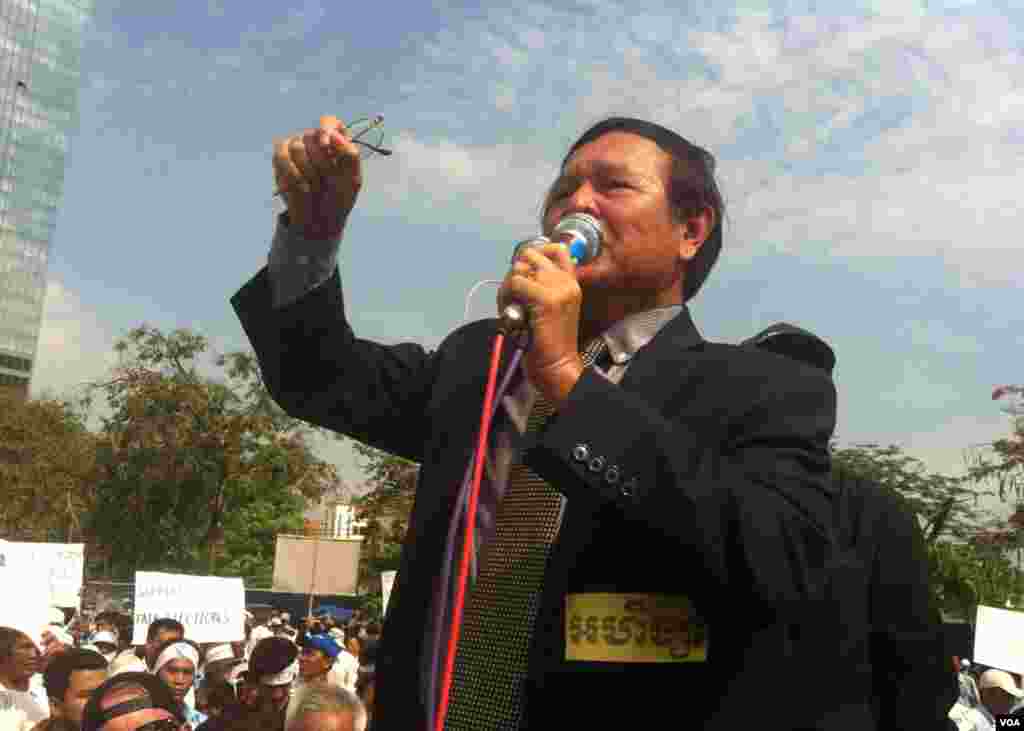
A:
<point x="501" y="609"/>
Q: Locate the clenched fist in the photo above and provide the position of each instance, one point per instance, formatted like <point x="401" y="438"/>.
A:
<point x="319" y="174"/>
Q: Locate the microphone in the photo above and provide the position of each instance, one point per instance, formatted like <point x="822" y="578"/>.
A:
<point x="581" y="232"/>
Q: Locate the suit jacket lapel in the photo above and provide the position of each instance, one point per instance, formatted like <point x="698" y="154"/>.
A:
<point x="669" y="352"/>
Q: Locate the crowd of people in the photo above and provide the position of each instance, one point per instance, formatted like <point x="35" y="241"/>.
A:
<point x="315" y="673"/>
<point x="985" y="693"/>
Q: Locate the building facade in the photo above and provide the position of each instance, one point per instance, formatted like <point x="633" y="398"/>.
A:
<point x="40" y="50"/>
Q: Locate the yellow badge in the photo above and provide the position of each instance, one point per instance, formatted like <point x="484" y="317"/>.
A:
<point x="633" y="628"/>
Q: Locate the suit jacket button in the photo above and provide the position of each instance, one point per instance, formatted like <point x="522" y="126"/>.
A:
<point x="612" y="475"/>
<point x="596" y="464"/>
<point x="580" y="453"/>
<point x="628" y="488"/>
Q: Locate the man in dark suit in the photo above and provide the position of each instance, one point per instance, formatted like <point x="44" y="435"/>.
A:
<point x="693" y="501"/>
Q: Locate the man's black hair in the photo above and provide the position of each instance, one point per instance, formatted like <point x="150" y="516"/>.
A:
<point x="57" y="678"/>
<point x="160" y="625"/>
<point x="691" y="186"/>
<point x="155" y="693"/>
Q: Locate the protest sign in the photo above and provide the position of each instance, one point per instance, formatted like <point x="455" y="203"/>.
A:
<point x="60" y="564"/>
<point x="30" y="611"/>
<point x="999" y="639"/>
<point x="211" y="608"/>
<point x="387" y="582"/>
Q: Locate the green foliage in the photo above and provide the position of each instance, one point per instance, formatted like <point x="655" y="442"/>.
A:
<point x="946" y="504"/>
<point x="47" y="469"/>
<point x="192" y="466"/>
<point x="963" y="572"/>
<point x="385" y="508"/>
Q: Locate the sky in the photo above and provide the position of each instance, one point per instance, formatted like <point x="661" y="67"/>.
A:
<point x="871" y="155"/>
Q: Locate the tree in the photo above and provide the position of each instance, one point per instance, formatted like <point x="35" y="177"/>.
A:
<point x="942" y="502"/>
<point x="386" y="508"/>
<point x="964" y="570"/>
<point x="180" y="451"/>
<point x="47" y="469"/>
<point x="1002" y="462"/>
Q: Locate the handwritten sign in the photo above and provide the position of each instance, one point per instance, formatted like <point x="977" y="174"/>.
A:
<point x="60" y="564"/>
<point x="212" y="608"/>
<point x="30" y="610"/>
<point x="999" y="639"/>
<point x="633" y="628"/>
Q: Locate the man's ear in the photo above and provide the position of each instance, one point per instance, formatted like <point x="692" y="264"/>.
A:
<point x="694" y="231"/>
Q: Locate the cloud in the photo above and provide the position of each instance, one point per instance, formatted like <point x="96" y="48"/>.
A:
<point x="74" y="345"/>
<point x="500" y="184"/>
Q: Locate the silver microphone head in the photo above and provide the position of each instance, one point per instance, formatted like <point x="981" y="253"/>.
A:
<point x="583" y="234"/>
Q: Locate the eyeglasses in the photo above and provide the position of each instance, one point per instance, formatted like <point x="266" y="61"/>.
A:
<point x="368" y="134"/>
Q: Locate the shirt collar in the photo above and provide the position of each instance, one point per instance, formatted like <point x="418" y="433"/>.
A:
<point x="633" y="332"/>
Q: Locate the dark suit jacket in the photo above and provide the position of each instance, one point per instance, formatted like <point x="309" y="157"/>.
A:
<point x="729" y="450"/>
<point x="914" y="684"/>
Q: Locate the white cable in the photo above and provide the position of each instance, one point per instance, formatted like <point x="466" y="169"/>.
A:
<point x="465" y="316"/>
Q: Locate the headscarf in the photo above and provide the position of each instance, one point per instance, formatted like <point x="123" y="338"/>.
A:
<point x="177" y="651"/>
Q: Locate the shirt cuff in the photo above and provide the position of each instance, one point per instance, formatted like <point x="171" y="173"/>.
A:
<point x="297" y="265"/>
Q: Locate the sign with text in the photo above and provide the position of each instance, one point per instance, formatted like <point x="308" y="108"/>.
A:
<point x="212" y="608"/>
<point x="60" y="564"/>
<point x="999" y="639"/>
<point x="30" y="611"/>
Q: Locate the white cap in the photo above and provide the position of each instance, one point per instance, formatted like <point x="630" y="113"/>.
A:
<point x="220" y="652"/>
<point x="999" y="679"/>
<point x="260" y="633"/>
<point x="284" y="677"/>
<point x="104" y="636"/>
<point x="126" y="662"/>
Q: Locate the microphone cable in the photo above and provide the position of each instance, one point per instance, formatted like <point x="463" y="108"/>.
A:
<point x="583" y="239"/>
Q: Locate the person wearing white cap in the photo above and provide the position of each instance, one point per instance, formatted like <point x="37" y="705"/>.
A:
<point x="219" y="661"/>
<point x="999" y="692"/>
<point x="105" y="644"/>
<point x="274" y="666"/>
<point x="126" y="662"/>
<point x="175" y="664"/>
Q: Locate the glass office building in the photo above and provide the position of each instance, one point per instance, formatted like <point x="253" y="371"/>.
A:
<point x="40" y="47"/>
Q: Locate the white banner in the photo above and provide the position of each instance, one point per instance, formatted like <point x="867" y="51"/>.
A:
<point x="212" y="608"/>
<point x="387" y="581"/>
<point x="27" y="608"/>
<point x="60" y="564"/>
<point x="999" y="639"/>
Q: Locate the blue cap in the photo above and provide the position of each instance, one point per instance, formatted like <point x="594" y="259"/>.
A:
<point x="324" y="643"/>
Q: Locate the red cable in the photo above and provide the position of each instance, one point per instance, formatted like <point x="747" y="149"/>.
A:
<point x="468" y="540"/>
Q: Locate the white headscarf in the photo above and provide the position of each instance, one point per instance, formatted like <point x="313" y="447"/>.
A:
<point x="177" y="651"/>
